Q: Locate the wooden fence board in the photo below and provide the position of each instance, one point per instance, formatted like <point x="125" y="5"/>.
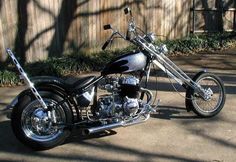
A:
<point x="52" y="27"/>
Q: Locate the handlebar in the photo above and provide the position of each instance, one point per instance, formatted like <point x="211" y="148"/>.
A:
<point x="105" y="44"/>
<point x="131" y="31"/>
<point x="128" y="35"/>
<point x="144" y="42"/>
<point x="131" y="28"/>
<point x="115" y="32"/>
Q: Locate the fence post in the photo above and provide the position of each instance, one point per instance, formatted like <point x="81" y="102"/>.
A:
<point x="193" y="16"/>
<point x="221" y="16"/>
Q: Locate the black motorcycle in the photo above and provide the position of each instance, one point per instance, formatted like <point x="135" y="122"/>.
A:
<point x="44" y="114"/>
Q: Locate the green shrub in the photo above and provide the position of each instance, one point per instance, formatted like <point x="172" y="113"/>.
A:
<point x="196" y="43"/>
<point x="8" y="78"/>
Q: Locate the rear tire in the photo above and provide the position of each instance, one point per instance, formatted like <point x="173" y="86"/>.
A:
<point x="31" y="131"/>
<point x="200" y="106"/>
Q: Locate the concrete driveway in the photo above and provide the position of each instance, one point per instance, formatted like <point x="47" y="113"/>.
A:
<point x="172" y="134"/>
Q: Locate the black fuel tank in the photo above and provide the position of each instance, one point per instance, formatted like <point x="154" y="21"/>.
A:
<point x="126" y="63"/>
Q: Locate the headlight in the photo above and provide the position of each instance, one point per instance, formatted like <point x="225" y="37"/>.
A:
<point x="163" y="49"/>
<point x="150" y="37"/>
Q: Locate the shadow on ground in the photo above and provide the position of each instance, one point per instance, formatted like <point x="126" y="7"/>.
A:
<point x="9" y="144"/>
<point x="170" y="112"/>
<point x="228" y="79"/>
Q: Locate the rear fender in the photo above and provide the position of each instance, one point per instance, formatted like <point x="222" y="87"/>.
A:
<point x="51" y="84"/>
<point x="56" y="83"/>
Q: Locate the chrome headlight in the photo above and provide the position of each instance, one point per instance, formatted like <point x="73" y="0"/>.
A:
<point x="163" y="49"/>
<point x="150" y="37"/>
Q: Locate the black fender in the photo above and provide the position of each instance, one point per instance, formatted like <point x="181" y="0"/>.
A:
<point x="198" y="74"/>
<point x="57" y="85"/>
<point x="82" y="97"/>
<point x="52" y="84"/>
<point x="190" y="89"/>
<point x="60" y="87"/>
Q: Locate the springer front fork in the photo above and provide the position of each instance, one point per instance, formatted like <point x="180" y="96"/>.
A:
<point x="178" y="75"/>
<point x="24" y="76"/>
<point x="174" y="72"/>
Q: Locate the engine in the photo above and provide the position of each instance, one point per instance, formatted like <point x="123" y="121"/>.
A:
<point x="123" y="98"/>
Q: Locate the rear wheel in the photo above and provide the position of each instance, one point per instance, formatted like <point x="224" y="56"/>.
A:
<point x="212" y="104"/>
<point x="32" y="125"/>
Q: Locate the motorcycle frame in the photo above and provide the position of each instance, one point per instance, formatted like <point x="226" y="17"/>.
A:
<point x="160" y="60"/>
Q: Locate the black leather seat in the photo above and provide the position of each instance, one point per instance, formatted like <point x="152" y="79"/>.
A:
<point x="82" y="81"/>
<point x="69" y="83"/>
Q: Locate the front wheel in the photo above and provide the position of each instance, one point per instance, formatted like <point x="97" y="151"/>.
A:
<point x="211" y="105"/>
<point x="32" y="125"/>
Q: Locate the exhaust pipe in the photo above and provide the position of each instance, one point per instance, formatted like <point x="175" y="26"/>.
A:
<point x="102" y="128"/>
<point x="134" y="121"/>
<point x="114" y="125"/>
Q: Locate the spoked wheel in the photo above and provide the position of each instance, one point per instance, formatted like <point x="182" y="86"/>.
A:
<point x="32" y="125"/>
<point x="212" y="103"/>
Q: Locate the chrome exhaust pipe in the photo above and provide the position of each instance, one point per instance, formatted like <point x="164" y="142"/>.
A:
<point x="134" y="121"/>
<point x="114" y="125"/>
<point x="102" y="128"/>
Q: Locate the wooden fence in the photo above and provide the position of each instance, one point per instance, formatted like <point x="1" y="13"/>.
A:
<point x="38" y="29"/>
<point x="213" y="15"/>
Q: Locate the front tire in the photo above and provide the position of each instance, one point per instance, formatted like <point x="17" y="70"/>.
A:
<point x="206" y="107"/>
<point x="31" y="125"/>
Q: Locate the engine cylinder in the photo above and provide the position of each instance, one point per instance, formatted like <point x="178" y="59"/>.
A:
<point x="129" y="87"/>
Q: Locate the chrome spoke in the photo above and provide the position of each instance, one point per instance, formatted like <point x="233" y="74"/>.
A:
<point x="214" y="92"/>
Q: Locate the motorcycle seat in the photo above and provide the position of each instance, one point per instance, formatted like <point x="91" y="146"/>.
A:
<point x="80" y="82"/>
<point x="69" y="83"/>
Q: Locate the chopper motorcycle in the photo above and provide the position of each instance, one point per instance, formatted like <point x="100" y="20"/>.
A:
<point x="44" y="114"/>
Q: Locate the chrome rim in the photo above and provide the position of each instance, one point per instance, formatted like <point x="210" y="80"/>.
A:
<point x="214" y="97"/>
<point x="36" y="124"/>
